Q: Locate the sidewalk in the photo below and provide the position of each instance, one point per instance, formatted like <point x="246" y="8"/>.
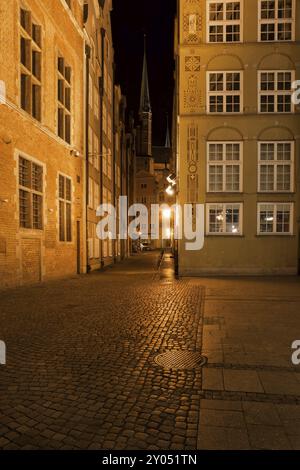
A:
<point x="251" y="390"/>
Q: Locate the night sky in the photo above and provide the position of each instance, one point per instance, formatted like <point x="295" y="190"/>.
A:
<point x="130" y="20"/>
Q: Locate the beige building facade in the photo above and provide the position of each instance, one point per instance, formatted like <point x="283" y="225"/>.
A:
<point x="41" y="141"/>
<point x="238" y="133"/>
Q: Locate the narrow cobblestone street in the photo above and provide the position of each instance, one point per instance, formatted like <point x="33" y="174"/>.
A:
<point x="80" y="362"/>
<point x="81" y="373"/>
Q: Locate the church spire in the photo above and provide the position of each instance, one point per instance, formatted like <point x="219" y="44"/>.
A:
<point x="145" y="105"/>
<point x="168" y="140"/>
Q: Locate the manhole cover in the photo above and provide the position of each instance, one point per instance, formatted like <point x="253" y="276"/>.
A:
<point x="180" y="360"/>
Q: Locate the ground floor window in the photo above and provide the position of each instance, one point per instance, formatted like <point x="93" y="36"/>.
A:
<point x="65" y="208"/>
<point x="93" y="241"/>
<point x="275" y="218"/>
<point x="30" y="194"/>
<point x="224" y="219"/>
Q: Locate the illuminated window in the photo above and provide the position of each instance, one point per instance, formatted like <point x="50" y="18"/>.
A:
<point x="224" y="219"/>
<point x="275" y="218"/>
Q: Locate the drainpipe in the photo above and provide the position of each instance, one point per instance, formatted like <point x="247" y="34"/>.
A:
<point x="101" y="88"/>
<point x="87" y="125"/>
<point x="114" y="152"/>
<point x="121" y="184"/>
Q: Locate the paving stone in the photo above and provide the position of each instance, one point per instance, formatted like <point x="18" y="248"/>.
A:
<point x="268" y="438"/>
<point x="213" y="379"/>
<point x="242" y="381"/>
<point x="261" y="413"/>
<point x="280" y="383"/>
<point x="223" y="438"/>
<point x="222" y="418"/>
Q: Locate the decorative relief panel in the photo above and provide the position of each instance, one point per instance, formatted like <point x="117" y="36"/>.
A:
<point x="192" y="63"/>
<point x="192" y="163"/>
<point x="192" y="22"/>
<point x="192" y="94"/>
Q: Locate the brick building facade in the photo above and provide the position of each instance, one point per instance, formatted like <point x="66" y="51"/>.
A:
<point x="57" y="139"/>
<point x="41" y="136"/>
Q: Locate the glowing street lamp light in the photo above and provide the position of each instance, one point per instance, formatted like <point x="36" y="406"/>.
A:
<point x="167" y="213"/>
<point x="170" y="191"/>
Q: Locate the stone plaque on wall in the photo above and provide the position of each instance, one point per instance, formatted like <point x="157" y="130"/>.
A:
<point x="192" y="22"/>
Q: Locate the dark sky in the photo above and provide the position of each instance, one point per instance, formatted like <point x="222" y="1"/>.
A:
<point x="130" y="20"/>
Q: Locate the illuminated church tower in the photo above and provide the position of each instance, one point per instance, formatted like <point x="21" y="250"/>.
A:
<point x="145" y="114"/>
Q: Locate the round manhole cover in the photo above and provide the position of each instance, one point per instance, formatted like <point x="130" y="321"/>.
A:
<point x="180" y="360"/>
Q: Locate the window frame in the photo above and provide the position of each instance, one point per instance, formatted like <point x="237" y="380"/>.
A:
<point x="225" y="163"/>
<point x="223" y="93"/>
<point x="60" y="77"/>
<point x="274" y="92"/>
<point x="224" y="206"/>
<point x="276" y="163"/>
<point x="31" y="192"/>
<point x="275" y="233"/>
<point x="27" y="71"/>
<point x="225" y="22"/>
<point x="66" y="203"/>
<point x="276" y="21"/>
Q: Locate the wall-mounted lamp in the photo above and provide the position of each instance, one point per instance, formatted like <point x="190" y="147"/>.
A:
<point x="75" y="153"/>
<point x="172" y="179"/>
<point x="170" y="190"/>
<point x="4" y="201"/>
<point x="6" y="139"/>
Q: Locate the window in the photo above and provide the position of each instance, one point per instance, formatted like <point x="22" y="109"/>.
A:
<point x="275" y="166"/>
<point x="224" y="219"/>
<point x="96" y="151"/>
<point x="276" y="21"/>
<point x="91" y="193"/>
<point x="275" y="91"/>
<point x="109" y="164"/>
<point x="144" y="186"/>
<point x="224" y="92"/>
<point x="65" y="208"/>
<point x="30" y="65"/>
<point x="64" y="100"/>
<point x="96" y="195"/>
<point x="224" y="166"/>
<point x="224" y="21"/>
<point x="96" y="102"/>
<point x="275" y="218"/>
<point x="30" y="194"/>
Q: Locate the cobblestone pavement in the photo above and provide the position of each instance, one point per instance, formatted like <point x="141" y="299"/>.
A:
<point x="81" y="374"/>
<point x="80" y="367"/>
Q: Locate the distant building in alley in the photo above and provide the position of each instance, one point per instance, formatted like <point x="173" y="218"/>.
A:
<point x="152" y="164"/>
<point x="238" y="133"/>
